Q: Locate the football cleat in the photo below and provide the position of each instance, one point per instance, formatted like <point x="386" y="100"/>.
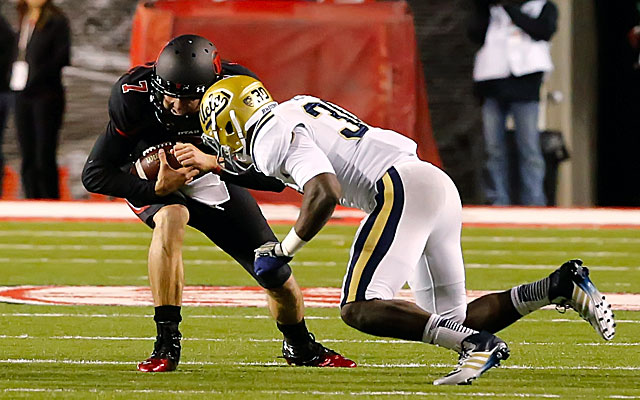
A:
<point x="313" y="354"/>
<point x="570" y="287"/>
<point x="480" y="352"/>
<point x="166" y="349"/>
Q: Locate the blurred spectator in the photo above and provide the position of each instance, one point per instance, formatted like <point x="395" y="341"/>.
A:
<point x="43" y="50"/>
<point x="508" y="73"/>
<point x="7" y="54"/>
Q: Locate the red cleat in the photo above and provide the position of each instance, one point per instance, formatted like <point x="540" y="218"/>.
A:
<point x="336" y="360"/>
<point x="313" y="354"/>
<point x="157" y="365"/>
<point x="166" y="349"/>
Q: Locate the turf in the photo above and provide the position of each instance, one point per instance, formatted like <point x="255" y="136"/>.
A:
<point x="232" y="353"/>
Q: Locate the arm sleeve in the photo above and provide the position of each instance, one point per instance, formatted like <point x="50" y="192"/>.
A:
<point x="541" y="28"/>
<point x="252" y="179"/>
<point x="103" y="172"/>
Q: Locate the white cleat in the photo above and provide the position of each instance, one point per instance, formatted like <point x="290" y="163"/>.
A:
<point x="570" y="287"/>
<point x="481" y="351"/>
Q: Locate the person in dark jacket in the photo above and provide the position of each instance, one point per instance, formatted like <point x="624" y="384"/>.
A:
<point x="7" y="55"/>
<point x="43" y="50"/>
<point x="508" y="74"/>
<point x="158" y="103"/>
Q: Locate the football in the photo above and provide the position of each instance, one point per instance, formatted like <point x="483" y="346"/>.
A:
<point x="148" y="165"/>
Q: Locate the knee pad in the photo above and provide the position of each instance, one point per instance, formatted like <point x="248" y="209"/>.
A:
<point x="274" y="279"/>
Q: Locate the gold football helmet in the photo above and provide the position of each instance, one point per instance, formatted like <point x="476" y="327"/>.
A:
<point x="229" y="109"/>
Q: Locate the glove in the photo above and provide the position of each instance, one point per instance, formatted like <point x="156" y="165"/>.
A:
<point x="269" y="257"/>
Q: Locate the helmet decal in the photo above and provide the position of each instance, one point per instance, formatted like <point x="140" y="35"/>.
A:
<point x="228" y="110"/>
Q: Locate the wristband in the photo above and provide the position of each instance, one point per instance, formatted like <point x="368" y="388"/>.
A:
<point x="292" y="243"/>
<point x="216" y="170"/>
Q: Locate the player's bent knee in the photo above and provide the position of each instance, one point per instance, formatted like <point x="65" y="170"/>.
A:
<point x="275" y="279"/>
<point x="353" y="314"/>
<point x="174" y="216"/>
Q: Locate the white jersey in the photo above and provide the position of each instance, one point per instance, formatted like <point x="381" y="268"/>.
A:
<point x="306" y="136"/>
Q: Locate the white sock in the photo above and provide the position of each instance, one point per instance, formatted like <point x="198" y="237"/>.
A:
<point x="446" y="333"/>
<point x="531" y="296"/>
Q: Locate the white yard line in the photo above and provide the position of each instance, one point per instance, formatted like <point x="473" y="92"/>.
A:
<point x="278" y="340"/>
<point x="118" y="210"/>
<point x="283" y="364"/>
<point x="391" y="394"/>
<point x="228" y="296"/>
<point x="314" y="264"/>
<point x="212" y="248"/>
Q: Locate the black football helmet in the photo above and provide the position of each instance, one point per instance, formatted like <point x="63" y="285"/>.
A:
<point x="185" y="68"/>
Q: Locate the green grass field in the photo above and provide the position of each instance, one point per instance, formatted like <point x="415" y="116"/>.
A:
<point x="232" y="353"/>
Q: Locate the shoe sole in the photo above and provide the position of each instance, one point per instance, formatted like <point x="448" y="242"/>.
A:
<point x="497" y="354"/>
<point x="592" y="305"/>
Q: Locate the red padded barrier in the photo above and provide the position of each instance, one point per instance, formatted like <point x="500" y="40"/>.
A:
<point x="360" y="56"/>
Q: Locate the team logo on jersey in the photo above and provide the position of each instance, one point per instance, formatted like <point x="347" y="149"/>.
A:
<point x="248" y="101"/>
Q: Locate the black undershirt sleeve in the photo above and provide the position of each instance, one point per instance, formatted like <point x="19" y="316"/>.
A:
<point x="252" y="179"/>
<point x="103" y="172"/>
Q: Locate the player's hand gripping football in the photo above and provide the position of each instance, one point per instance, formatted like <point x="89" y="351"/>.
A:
<point x="269" y="257"/>
<point x="191" y="156"/>
<point x="169" y="179"/>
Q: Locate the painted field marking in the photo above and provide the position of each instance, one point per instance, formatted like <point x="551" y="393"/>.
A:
<point x="215" y="249"/>
<point x="26" y="336"/>
<point x="474" y="215"/>
<point x="285" y="365"/>
<point x="332" y="237"/>
<point x="393" y="393"/>
<point x="307" y="317"/>
<point x="231" y="296"/>
<point x="314" y="264"/>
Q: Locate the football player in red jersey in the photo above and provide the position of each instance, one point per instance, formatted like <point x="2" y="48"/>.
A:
<point x="159" y="102"/>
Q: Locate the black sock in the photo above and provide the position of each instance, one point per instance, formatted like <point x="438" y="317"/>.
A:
<point x="167" y="314"/>
<point x="295" y="333"/>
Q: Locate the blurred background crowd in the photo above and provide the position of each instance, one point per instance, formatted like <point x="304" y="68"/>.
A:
<point x="588" y="100"/>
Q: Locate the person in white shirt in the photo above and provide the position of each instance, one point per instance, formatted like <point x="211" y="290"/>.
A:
<point x="411" y="233"/>
<point x="508" y="73"/>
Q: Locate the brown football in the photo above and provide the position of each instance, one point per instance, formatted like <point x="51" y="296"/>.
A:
<point x="148" y="165"/>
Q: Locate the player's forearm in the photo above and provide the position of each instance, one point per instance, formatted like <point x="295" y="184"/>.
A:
<point x="109" y="181"/>
<point x="321" y="196"/>
<point x="102" y="174"/>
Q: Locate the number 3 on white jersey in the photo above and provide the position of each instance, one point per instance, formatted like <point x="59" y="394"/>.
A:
<point x="355" y="128"/>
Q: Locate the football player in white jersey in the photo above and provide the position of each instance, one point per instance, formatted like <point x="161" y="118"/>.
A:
<point x="411" y="233"/>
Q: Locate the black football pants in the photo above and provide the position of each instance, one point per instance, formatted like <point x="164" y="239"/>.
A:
<point x="237" y="226"/>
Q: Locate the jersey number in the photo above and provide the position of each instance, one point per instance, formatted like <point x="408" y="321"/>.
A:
<point x="360" y="128"/>
<point x="140" y="87"/>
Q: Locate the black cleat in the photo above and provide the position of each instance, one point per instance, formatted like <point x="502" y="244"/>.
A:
<point x="570" y="287"/>
<point x="313" y="354"/>
<point x="166" y="349"/>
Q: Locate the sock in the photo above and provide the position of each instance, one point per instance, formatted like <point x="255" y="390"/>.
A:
<point x="167" y="314"/>
<point x="446" y="333"/>
<point x="531" y="296"/>
<point x="295" y="333"/>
